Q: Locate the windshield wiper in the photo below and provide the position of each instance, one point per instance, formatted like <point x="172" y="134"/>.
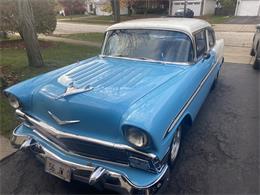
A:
<point x="144" y="58"/>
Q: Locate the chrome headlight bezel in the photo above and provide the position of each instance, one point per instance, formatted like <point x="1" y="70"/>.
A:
<point x="13" y="101"/>
<point x="136" y="137"/>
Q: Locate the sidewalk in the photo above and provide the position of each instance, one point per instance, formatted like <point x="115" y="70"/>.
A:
<point x="234" y="27"/>
<point x="70" y="41"/>
<point x="5" y="148"/>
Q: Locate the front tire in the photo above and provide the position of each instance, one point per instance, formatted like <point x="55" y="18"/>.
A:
<point x="175" y="147"/>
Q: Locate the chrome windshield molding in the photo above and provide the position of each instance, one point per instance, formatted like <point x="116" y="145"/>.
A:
<point x="150" y="60"/>
<point x="179" y="115"/>
<point x="59" y="134"/>
<point x="61" y="122"/>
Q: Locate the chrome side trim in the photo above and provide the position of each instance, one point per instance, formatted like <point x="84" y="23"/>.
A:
<point x="61" y="122"/>
<point x="179" y="115"/>
<point x="59" y="134"/>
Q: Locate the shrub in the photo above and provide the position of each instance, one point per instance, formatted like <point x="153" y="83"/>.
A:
<point x="43" y="11"/>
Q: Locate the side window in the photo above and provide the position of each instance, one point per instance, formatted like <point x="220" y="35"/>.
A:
<point x="201" y="43"/>
<point x="211" y="37"/>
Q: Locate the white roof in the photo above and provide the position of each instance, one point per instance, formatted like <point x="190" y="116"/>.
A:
<point x="188" y="25"/>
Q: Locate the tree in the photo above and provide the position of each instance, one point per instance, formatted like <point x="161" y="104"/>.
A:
<point x="28" y="17"/>
<point x="43" y="12"/>
<point x="27" y="32"/>
<point x="116" y="10"/>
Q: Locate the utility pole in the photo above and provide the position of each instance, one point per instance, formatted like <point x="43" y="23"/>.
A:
<point x="185" y="7"/>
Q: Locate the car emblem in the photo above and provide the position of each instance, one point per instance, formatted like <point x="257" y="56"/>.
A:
<point x="71" y="90"/>
<point x="61" y="122"/>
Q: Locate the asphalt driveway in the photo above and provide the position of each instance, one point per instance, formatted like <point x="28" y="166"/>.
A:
<point x="244" y="20"/>
<point x="220" y="153"/>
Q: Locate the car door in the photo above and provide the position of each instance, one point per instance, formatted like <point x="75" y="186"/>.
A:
<point x="202" y="74"/>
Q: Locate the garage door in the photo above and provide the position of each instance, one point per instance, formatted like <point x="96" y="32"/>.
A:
<point x="193" y="5"/>
<point x="248" y="8"/>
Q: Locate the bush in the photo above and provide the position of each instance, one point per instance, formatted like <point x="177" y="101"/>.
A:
<point x="43" y="11"/>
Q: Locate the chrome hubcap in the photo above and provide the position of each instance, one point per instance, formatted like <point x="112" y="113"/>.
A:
<point x="176" y="144"/>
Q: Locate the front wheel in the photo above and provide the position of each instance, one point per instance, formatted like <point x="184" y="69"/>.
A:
<point x="175" y="147"/>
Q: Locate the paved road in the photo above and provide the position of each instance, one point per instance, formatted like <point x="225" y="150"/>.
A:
<point x="72" y="28"/>
<point x="244" y="20"/>
<point x="219" y="155"/>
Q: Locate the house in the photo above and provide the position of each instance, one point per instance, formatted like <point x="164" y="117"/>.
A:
<point x="103" y="7"/>
<point x="199" y="7"/>
<point x="248" y="8"/>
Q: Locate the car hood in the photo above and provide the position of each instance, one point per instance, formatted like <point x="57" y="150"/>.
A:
<point x="114" y="85"/>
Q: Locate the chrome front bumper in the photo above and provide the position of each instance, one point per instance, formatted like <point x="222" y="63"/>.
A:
<point x="90" y="173"/>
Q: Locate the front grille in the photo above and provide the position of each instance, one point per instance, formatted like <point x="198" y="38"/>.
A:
<point x="88" y="149"/>
<point x="96" y="151"/>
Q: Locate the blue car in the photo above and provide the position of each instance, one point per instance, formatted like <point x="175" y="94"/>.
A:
<point x="116" y="120"/>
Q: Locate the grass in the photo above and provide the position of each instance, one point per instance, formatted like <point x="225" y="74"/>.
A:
<point x="107" y="19"/>
<point x="14" y="65"/>
<point x="92" y="37"/>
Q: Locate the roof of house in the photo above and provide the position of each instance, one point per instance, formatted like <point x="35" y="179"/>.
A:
<point x="188" y="25"/>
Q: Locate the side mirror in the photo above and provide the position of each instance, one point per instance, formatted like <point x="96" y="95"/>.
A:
<point x="206" y="55"/>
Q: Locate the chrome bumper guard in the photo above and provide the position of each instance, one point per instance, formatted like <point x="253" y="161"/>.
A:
<point x="97" y="176"/>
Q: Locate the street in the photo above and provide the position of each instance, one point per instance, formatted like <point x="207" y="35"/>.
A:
<point x="219" y="154"/>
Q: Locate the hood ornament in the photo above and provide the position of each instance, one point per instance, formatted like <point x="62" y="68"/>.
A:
<point x="72" y="90"/>
<point x="61" y="122"/>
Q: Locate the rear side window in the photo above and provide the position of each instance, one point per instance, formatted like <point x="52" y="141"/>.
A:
<point x="211" y="37"/>
<point x="201" y="43"/>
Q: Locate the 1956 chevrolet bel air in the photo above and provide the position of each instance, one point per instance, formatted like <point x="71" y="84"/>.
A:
<point x="116" y="119"/>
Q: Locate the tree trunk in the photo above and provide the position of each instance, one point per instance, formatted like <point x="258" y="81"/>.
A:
<point x="28" y="33"/>
<point x="116" y="10"/>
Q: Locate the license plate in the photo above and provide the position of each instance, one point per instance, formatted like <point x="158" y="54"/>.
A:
<point x="58" y="169"/>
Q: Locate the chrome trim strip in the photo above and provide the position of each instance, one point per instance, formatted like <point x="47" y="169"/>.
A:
<point x="61" y="122"/>
<point x="179" y="115"/>
<point x="59" y="134"/>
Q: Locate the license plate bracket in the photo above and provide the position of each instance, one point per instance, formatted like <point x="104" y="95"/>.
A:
<point x="58" y="169"/>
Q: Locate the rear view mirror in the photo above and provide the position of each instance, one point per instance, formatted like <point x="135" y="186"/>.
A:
<point x="206" y="55"/>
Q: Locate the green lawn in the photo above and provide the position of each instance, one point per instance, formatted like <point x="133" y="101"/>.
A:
<point x="13" y="65"/>
<point x="107" y="19"/>
<point x="93" y="37"/>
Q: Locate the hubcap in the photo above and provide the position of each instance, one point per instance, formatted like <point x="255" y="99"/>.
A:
<point x="176" y="144"/>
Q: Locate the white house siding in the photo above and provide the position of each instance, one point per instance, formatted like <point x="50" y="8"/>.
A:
<point x="195" y="5"/>
<point x="209" y="7"/>
<point x="248" y="8"/>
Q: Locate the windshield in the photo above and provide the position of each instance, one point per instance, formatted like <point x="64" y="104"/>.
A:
<point x="159" y="45"/>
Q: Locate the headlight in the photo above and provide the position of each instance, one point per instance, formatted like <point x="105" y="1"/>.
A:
<point x="136" y="137"/>
<point x="13" y="101"/>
